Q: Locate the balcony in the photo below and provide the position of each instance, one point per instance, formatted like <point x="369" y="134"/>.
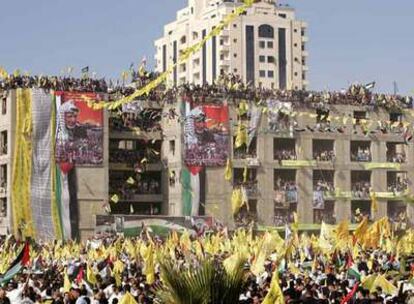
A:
<point x="397" y="182"/>
<point x="396" y="153"/>
<point x="323" y="150"/>
<point x="361" y="191"/>
<point x="361" y="151"/>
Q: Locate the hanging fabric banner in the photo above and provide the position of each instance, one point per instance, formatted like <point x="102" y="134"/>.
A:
<point x="79" y="137"/>
<point x="391" y="166"/>
<point x="41" y="179"/>
<point x="22" y="166"/>
<point x="254" y="123"/>
<point x="206" y="136"/>
<point x="186" y="194"/>
<point x="298" y="163"/>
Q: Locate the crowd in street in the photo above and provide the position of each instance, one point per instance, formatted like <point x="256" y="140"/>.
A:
<point x="360" y="267"/>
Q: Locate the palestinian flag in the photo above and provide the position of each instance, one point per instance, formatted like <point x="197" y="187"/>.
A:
<point x="353" y="271"/>
<point x="22" y="260"/>
<point x="350" y="295"/>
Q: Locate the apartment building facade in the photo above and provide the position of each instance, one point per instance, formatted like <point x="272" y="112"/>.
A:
<point x="325" y="170"/>
<point x="266" y="46"/>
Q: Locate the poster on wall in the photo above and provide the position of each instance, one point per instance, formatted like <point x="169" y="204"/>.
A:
<point x="206" y="135"/>
<point x="79" y="136"/>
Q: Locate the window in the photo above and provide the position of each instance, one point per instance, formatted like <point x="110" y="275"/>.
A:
<point x="235" y="70"/>
<point x="359" y="115"/>
<point x="303" y="47"/>
<point x="4" y="106"/>
<point x="235" y="40"/>
<point x="282" y="16"/>
<point x="266" y="31"/>
<point x="235" y="55"/>
<point x="270" y="59"/>
<point x="221" y="42"/>
<point x="296" y="73"/>
<point x="235" y="25"/>
<point x="295" y="45"/>
<point x="262" y="73"/>
<point x="396" y="117"/>
<point x="262" y="44"/>
<point x="295" y="30"/>
<point x="183" y="40"/>
<point x="172" y="178"/>
<point x="303" y="76"/>
<point x="270" y="74"/>
<point x="3" y="142"/>
<point x="303" y="32"/>
<point x="172" y="147"/>
<point x="270" y="44"/>
<point x="3" y="177"/>
<point x="262" y="58"/>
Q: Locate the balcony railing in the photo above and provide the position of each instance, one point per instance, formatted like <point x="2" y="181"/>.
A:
<point x="396" y="158"/>
<point x="361" y="157"/>
<point x="286" y="197"/>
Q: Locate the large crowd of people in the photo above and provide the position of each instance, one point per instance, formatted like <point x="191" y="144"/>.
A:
<point x="227" y="85"/>
<point x="369" y="265"/>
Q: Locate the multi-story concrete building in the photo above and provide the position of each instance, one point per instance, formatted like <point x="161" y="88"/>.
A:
<point x="266" y="46"/>
<point x="326" y="168"/>
<point x="6" y="151"/>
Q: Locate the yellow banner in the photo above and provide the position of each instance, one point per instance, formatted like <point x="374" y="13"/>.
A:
<point x="371" y="166"/>
<point x="298" y="163"/>
<point x="22" y="165"/>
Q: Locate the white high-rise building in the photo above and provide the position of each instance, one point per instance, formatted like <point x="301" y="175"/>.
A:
<point x="265" y="46"/>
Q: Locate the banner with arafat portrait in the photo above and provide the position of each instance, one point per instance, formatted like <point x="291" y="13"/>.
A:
<point x="79" y="129"/>
<point x="206" y="135"/>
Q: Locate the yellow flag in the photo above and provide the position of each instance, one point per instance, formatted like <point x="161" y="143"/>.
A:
<point x="326" y="237"/>
<point x="90" y="275"/>
<point x="128" y="299"/>
<point x="275" y="294"/>
<point x="374" y="202"/>
<point x="67" y="285"/>
<point x="342" y="231"/>
<point x="228" y="173"/>
<point x="236" y="201"/>
<point x="149" y="269"/>
<point x="361" y="230"/>
<point x="243" y="107"/>
<point x="115" y="198"/>
<point x="241" y="136"/>
<point x="117" y="277"/>
<point x="245" y="174"/>
<point x="3" y="73"/>
<point x="118" y="266"/>
<point x="131" y="181"/>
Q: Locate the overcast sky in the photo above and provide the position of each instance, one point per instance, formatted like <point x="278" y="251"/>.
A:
<point x="350" y="41"/>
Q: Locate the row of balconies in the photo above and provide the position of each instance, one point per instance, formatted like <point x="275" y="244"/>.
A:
<point x="323" y="151"/>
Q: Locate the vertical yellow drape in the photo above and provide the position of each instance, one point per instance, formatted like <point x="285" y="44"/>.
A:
<point x="57" y="223"/>
<point x="22" y="165"/>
